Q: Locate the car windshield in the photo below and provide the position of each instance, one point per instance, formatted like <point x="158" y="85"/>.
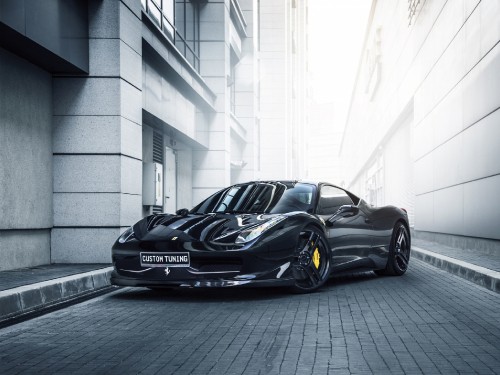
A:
<point x="260" y="197"/>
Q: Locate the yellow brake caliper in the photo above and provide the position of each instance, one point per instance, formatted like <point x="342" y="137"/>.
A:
<point x="316" y="258"/>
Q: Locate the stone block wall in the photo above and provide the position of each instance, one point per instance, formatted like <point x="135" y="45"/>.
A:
<point x="97" y="133"/>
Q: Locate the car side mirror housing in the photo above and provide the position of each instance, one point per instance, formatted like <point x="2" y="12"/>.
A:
<point x="347" y="210"/>
<point x="343" y="211"/>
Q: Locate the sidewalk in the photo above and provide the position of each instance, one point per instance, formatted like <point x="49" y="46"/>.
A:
<point x="30" y="290"/>
<point x="475" y="266"/>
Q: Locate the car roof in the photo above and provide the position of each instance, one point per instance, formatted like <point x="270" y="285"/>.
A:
<point x="318" y="184"/>
<point x="310" y="182"/>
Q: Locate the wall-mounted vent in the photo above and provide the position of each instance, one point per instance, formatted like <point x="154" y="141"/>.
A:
<point x="157" y="147"/>
<point x="157" y="158"/>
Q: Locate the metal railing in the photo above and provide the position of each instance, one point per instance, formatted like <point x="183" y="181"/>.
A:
<point x="155" y="11"/>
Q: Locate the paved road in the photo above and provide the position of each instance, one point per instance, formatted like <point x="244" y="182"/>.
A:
<point x="427" y="321"/>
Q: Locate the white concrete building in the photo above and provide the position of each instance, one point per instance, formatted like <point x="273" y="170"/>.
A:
<point x="282" y="89"/>
<point x="323" y="137"/>
<point x="423" y="126"/>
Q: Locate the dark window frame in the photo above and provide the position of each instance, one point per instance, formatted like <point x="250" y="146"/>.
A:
<point x="325" y="206"/>
<point x="175" y="30"/>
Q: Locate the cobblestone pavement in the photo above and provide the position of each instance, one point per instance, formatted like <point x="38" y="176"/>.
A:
<point x="427" y="321"/>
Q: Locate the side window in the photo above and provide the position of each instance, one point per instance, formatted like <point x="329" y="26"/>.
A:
<point x="331" y="198"/>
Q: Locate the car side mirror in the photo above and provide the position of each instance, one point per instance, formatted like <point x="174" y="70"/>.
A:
<point x="347" y="210"/>
<point x="182" y="212"/>
<point x="343" y="211"/>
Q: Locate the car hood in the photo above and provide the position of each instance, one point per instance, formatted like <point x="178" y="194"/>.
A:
<point x="212" y="227"/>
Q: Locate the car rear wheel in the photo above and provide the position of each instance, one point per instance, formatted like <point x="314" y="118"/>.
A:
<point x="399" y="252"/>
<point x="312" y="265"/>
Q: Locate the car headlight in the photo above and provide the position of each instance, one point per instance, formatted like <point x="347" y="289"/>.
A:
<point x="127" y="235"/>
<point x="250" y="234"/>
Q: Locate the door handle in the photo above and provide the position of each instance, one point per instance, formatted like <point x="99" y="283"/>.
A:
<point x="368" y="221"/>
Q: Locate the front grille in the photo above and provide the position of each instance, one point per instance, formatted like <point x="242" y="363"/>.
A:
<point x="216" y="265"/>
<point x="220" y="268"/>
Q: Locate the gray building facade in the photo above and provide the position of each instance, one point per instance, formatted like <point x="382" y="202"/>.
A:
<point x="423" y="127"/>
<point x="112" y="110"/>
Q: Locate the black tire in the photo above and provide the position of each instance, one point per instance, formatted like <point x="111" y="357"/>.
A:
<point x="399" y="252"/>
<point x="311" y="268"/>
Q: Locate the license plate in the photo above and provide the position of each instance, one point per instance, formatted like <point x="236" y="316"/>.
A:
<point x="165" y="259"/>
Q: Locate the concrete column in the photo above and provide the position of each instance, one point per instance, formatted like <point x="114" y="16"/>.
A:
<point x="245" y="96"/>
<point x="97" y="138"/>
<point x="211" y="168"/>
<point x="25" y="163"/>
<point x="274" y="91"/>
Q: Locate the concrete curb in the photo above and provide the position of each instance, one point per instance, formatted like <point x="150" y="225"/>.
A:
<point x="479" y="275"/>
<point x="34" y="297"/>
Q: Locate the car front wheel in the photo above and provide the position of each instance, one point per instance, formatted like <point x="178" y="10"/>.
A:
<point x="312" y="261"/>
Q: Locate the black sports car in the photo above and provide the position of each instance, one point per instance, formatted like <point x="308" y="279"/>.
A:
<point x="264" y="233"/>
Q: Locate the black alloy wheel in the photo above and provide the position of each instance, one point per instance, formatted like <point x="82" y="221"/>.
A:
<point x="399" y="252"/>
<point x="311" y="268"/>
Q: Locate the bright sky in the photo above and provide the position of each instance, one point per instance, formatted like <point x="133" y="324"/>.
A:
<point x="337" y="29"/>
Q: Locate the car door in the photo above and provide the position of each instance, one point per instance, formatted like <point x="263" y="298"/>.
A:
<point x="348" y="231"/>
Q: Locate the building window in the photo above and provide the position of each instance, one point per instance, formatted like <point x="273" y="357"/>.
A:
<point x="187" y="23"/>
<point x="375" y="182"/>
<point x="412" y="10"/>
<point x="232" y="81"/>
<point x="232" y="90"/>
<point x="180" y="22"/>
